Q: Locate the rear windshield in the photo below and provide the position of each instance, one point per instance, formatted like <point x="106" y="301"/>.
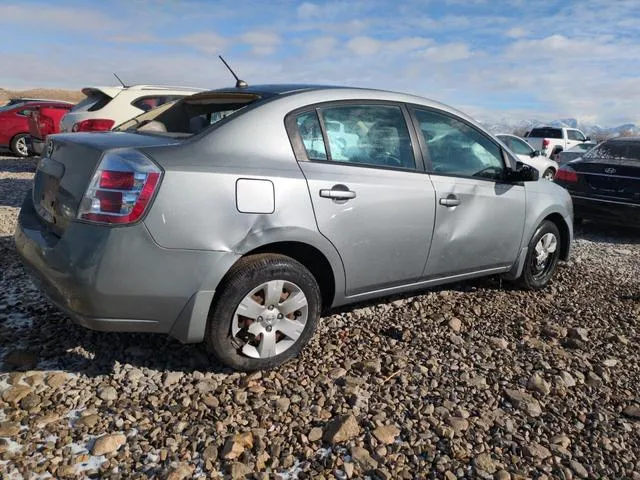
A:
<point x="190" y="116"/>
<point x="546" y="133"/>
<point x="93" y="102"/>
<point x="612" y="149"/>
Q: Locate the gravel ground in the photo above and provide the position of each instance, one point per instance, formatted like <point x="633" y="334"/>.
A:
<point x="476" y="380"/>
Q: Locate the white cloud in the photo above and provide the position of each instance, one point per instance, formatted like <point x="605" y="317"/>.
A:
<point x="364" y="45"/>
<point x="308" y="10"/>
<point x="448" y="52"/>
<point x="43" y="16"/>
<point x="517" y="32"/>
<point x="320" y="46"/>
<point x="206" y="42"/>
<point x="261" y="42"/>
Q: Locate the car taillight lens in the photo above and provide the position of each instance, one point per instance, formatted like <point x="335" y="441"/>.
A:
<point x="545" y="143"/>
<point x="121" y="188"/>
<point x="93" y="125"/>
<point x="567" y="175"/>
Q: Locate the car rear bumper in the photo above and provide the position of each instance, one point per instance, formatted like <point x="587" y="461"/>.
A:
<point x="36" y="145"/>
<point x="119" y="279"/>
<point x="609" y="211"/>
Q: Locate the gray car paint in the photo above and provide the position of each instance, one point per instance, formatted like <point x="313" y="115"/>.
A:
<point x="161" y="274"/>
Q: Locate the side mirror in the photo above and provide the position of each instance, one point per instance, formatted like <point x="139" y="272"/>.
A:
<point x="534" y="153"/>
<point x="524" y="173"/>
<point x="586" y="139"/>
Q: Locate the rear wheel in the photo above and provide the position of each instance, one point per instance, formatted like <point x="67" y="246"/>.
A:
<point x="19" y="145"/>
<point x="542" y="257"/>
<point x="549" y="173"/>
<point x="266" y="311"/>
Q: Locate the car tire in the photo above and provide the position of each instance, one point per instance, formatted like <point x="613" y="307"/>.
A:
<point x="549" y="174"/>
<point x="19" y="146"/>
<point x="254" y="342"/>
<point x="538" y="268"/>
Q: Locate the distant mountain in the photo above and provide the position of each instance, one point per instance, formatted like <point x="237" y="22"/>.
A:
<point x="506" y="125"/>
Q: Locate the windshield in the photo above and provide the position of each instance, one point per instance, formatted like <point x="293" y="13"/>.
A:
<point x="615" y="150"/>
<point x="188" y="116"/>
<point x="10" y="106"/>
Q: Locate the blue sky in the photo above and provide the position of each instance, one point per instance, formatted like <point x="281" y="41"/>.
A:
<point x="515" y="59"/>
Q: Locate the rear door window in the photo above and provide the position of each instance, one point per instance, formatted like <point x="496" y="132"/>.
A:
<point x="93" y="102"/>
<point x="311" y="133"/>
<point x="374" y="135"/>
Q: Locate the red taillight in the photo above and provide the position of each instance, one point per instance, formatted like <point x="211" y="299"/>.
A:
<point x="545" y="143"/>
<point x="93" y="125"/>
<point x="121" y="188"/>
<point x="117" y="180"/>
<point x="567" y="175"/>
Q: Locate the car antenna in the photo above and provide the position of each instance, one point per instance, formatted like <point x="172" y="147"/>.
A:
<point x="239" y="83"/>
<point x="114" y="74"/>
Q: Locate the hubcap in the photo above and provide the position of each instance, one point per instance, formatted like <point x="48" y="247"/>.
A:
<point x="21" y="146"/>
<point x="270" y="319"/>
<point x="548" y="175"/>
<point x="544" y="251"/>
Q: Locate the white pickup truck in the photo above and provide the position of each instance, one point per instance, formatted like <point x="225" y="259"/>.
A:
<point x="552" y="140"/>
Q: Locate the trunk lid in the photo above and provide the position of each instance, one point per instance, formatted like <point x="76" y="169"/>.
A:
<point x="611" y="178"/>
<point x="67" y="167"/>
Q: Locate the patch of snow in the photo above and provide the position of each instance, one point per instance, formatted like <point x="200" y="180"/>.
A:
<point x="292" y="473"/>
<point x="93" y="463"/>
<point x="12" y="446"/>
<point x="74" y="416"/>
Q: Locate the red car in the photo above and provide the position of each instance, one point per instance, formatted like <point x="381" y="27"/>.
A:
<point x="14" y="124"/>
<point x="45" y="120"/>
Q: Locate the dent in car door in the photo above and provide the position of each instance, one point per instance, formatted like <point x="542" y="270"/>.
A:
<point x="369" y="198"/>
<point x="479" y="219"/>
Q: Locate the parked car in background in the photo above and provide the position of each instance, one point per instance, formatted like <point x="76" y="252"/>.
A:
<point x="106" y="107"/>
<point x="574" y="152"/>
<point x="552" y="140"/>
<point x="605" y="182"/>
<point x="14" y="124"/>
<point x="228" y="217"/>
<point x="15" y="100"/>
<point x="45" y="120"/>
<point x="526" y="154"/>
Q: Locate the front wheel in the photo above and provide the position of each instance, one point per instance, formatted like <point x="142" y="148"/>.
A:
<point x="549" y="174"/>
<point x="19" y="145"/>
<point x="266" y="311"/>
<point x="542" y="257"/>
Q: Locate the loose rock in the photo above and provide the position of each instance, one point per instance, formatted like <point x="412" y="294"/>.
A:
<point x="108" y="444"/>
<point x="341" y="429"/>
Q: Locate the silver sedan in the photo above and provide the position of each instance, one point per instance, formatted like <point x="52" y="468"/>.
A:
<point x="237" y="216"/>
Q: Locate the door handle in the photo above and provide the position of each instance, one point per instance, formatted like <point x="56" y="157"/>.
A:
<point x="450" y="200"/>
<point x="338" y="192"/>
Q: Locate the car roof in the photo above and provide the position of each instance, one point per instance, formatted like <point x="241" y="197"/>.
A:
<point x="37" y="100"/>
<point x="624" y="139"/>
<point x="273" y="90"/>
